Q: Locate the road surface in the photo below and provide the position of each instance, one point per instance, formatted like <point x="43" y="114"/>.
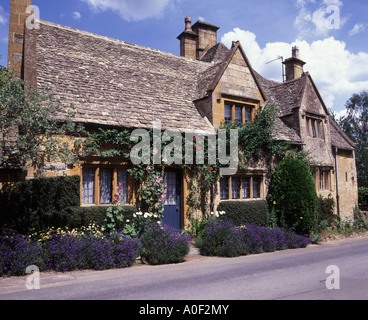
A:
<point x="289" y="275"/>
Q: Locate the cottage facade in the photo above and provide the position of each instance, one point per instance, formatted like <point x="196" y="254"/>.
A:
<point x="114" y="84"/>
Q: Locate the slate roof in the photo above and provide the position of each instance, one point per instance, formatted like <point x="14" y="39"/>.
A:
<point x="111" y="82"/>
<point x="115" y="83"/>
<point x="289" y="96"/>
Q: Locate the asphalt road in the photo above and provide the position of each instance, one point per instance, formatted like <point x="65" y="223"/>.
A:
<point x="291" y="275"/>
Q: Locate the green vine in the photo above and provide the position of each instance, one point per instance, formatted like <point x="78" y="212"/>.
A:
<point x="256" y="144"/>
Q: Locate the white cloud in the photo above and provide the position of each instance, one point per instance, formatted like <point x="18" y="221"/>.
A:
<point x="359" y="27"/>
<point x="337" y="72"/>
<point x="131" y="9"/>
<point x="3" y="16"/>
<point x="76" y="15"/>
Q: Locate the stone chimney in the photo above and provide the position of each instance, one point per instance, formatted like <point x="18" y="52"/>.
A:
<point x="18" y="17"/>
<point x="197" y="39"/>
<point x="294" y="65"/>
<point x="188" y="41"/>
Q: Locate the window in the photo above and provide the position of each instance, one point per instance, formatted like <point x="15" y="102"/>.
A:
<point x="237" y="112"/>
<point x="315" y="128"/>
<point x="241" y="188"/>
<point x="99" y="185"/>
<point x="323" y="179"/>
<point x="224" y="188"/>
<point x="88" y="186"/>
<point x="235" y="188"/>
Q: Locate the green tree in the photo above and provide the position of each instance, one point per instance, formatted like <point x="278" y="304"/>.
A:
<point x="355" y="125"/>
<point x="293" y="197"/>
<point x="33" y="126"/>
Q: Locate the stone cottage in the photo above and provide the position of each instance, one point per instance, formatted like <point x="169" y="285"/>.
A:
<point x="114" y="84"/>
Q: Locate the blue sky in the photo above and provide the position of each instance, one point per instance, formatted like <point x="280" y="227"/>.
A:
<point x="332" y="34"/>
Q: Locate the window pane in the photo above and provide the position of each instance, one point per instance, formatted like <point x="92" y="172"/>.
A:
<point x="246" y="188"/>
<point x="224" y="188"/>
<point x="308" y="127"/>
<point x="256" y="187"/>
<point x="105" y="186"/>
<point x="88" y="186"/>
<point x="170" y="180"/>
<point x="123" y="181"/>
<point x="235" y="188"/>
<point x="314" y="128"/>
<point x="248" y="114"/>
<point x="239" y="114"/>
<point x="227" y="113"/>
<point x="321" y="180"/>
<point x="319" y="129"/>
<point x="326" y="180"/>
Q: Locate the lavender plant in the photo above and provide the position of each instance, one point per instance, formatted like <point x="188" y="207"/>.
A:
<point x="162" y="244"/>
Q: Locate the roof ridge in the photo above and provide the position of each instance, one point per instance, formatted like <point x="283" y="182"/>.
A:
<point x="128" y="44"/>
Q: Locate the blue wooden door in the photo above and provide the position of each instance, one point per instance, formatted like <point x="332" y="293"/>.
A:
<point x="172" y="211"/>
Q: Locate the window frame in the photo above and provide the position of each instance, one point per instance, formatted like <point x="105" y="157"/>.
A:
<point x="243" y="195"/>
<point x="97" y="196"/>
<point x="315" y="128"/>
<point x="247" y="110"/>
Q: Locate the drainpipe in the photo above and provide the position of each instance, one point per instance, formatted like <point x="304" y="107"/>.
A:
<point x="337" y="184"/>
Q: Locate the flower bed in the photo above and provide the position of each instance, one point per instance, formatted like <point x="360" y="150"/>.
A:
<point x="62" y="251"/>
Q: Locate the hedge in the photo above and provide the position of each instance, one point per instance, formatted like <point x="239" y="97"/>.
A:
<point x="245" y="212"/>
<point x="77" y="217"/>
<point x="38" y="203"/>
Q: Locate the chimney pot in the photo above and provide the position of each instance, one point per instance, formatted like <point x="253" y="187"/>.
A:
<point x="188" y="24"/>
<point x="295" y="52"/>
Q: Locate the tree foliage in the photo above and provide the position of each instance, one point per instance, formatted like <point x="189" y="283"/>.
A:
<point x="32" y="126"/>
<point x="355" y="125"/>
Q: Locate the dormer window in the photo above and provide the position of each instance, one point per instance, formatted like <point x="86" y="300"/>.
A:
<point x="315" y="128"/>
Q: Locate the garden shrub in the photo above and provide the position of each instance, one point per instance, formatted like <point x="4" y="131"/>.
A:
<point x="221" y="238"/>
<point x="38" y="203"/>
<point x="161" y="244"/>
<point x="363" y="198"/>
<point x="295" y="241"/>
<point x="293" y="196"/>
<point x="245" y="212"/>
<point x="17" y="252"/>
<point x="326" y="211"/>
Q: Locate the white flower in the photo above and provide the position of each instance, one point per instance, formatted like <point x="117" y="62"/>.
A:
<point x="134" y="215"/>
<point x="128" y="221"/>
<point x="211" y="213"/>
<point x="139" y="213"/>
